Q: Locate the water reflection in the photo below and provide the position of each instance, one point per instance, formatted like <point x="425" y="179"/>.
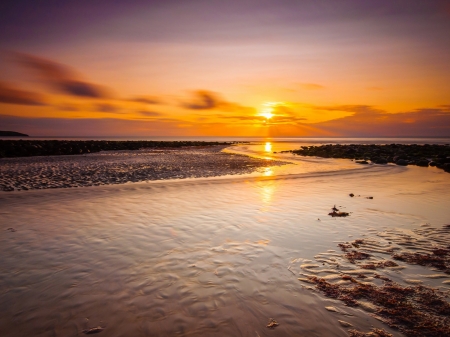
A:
<point x="267" y="190"/>
<point x="268" y="172"/>
<point x="268" y="147"/>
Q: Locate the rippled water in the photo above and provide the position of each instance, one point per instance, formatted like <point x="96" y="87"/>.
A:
<point x="203" y="257"/>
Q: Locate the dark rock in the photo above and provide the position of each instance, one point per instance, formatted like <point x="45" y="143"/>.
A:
<point x="422" y="162"/>
<point x="364" y="162"/>
<point x="402" y="162"/>
<point x="380" y="161"/>
<point x="352" y="195"/>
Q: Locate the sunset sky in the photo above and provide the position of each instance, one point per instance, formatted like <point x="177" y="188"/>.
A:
<point x="278" y="68"/>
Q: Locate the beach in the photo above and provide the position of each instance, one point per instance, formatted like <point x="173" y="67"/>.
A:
<point x="224" y="251"/>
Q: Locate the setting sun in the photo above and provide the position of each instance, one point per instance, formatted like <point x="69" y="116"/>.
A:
<point x="268" y="109"/>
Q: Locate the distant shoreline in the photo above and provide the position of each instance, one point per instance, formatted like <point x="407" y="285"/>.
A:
<point x="12" y="134"/>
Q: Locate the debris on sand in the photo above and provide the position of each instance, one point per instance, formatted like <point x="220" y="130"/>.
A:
<point x="92" y="331"/>
<point x="272" y="324"/>
<point x="338" y="214"/>
<point x="355" y="255"/>
<point x="345" y="324"/>
<point x="374" y="333"/>
<point x="441" y="260"/>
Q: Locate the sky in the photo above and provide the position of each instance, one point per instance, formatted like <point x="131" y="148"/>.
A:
<point x="266" y="68"/>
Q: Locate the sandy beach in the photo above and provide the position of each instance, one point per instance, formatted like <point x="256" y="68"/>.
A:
<point x="119" y="167"/>
<point x="218" y="256"/>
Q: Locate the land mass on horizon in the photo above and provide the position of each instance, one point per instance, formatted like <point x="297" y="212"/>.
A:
<point x="12" y="134"/>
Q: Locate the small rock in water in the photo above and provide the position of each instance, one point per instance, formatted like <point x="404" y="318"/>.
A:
<point x="338" y="214"/>
<point x="369" y="197"/>
<point x="11" y="229"/>
<point x="333" y="309"/>
<point x="91" y="331"/>
<point x="345" y="324"/>
<point x="272" y="324"/>
<point x="351" y="195"/>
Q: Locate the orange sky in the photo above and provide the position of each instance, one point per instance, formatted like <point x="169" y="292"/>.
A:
<point x="200" y="68"/>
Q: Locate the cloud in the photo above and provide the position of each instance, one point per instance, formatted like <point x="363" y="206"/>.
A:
<point x="12" y="95"/>
<point x="87" y="127"/>
<point x="145" y="100"/>
<point x="67" y="107"/>
<point x="203" y="100"/>
<point x="368" y="121"/>
<point x="311" y="86"/>
<point x="61" y="78"/>
<point x="150" y="113"/>
<point x="208" y="100"/>
<point x="104" y="107"/>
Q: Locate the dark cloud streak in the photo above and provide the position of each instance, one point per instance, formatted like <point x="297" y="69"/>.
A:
<point x="61" y="78"/>
<point x="12" y="95"/>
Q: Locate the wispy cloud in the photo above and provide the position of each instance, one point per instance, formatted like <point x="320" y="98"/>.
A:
<point x="311" y="86"/>
<point x="105" y="107"/>
<point x="203" y="100"/>
<point x="368" y="121"/>
<point x="145" y="100"/>
<point x="61" y="78"/>
<point x="11" y="95"/>
<point x="150" y="113"/>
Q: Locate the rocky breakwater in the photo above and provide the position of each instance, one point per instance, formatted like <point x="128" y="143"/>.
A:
<point x="30" y="148"/>
<point x="420" y="155"/>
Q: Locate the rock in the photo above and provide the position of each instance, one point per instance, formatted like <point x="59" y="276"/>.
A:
<point x="332" y="309"/>
<point x="91" y="331"/>
<point x="364" y="162"/>
<point x="402" y="162"/>
<point x="351" y="195"/>
<point x="422" y="162"/>
<point x="272" y="324"/>
<point x="345" y="324"/>
<point x="381" y="161"/>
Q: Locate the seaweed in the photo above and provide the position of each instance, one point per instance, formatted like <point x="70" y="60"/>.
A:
<point x="416" y="311"/>
<point x="355" y="255"/>
<point x="375" y="332"/>
<point x="438" y="259"/>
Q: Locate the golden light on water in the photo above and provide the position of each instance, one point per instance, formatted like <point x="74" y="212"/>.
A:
<point x="267" y="172"/>
<point x="268" y="147"/>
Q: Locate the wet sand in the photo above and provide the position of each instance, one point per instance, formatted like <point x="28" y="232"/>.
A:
<point x="119" y="167"/>
<point x="207" y="256"/>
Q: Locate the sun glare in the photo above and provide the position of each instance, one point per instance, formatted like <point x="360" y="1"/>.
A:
<point x="268" y="109"/>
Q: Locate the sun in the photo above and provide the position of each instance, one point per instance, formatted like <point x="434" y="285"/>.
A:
<point x="268" y="109"/>
<point x="267" y="114"/>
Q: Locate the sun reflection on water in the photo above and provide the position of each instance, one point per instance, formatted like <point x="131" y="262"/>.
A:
<point x="268" y="147"/>
<point x="267" y="172"/>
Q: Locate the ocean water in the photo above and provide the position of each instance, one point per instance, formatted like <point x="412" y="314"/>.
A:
<point x="276" y="140"/>
<point x="202" y="257"/>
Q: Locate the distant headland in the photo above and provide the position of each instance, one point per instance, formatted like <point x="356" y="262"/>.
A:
<point x="12" y="134"/>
